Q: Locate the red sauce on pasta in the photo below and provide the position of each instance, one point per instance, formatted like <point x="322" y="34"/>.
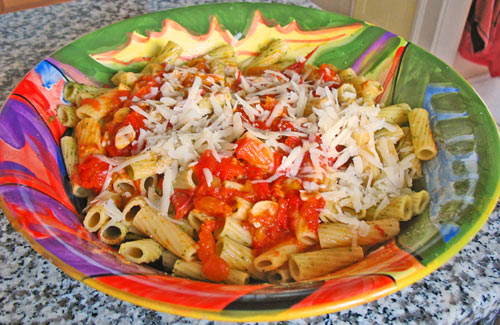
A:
<point x="92" y="173"/>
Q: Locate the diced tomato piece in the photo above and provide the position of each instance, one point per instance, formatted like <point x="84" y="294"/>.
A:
<point x="297" y="67"/>
<point x="270" y="103"/>
<point x="212" y="206"/>
<point x="214" y="267"/>
<point x="207" y="160"/>
<point x="182" y="201"/>
<point x="293" y="142"/>
<point x="227" y="169"/>
<point x="92" y="173"/>
<point x="310" y="210"/>
<point x="143" y="86"/>
<point x="255" y="152"/>
<point x="137" y="121"/>
<point x="230" y="168"/>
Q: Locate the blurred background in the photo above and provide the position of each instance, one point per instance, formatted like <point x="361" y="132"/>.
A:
<point x="463" y="33"/>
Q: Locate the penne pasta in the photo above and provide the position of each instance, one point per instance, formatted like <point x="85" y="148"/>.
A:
<point x="234" y="229"/>
<point x="341" y="235"/>
<point x="276" y="256"/>
<point x="281" y="275"/>
<point x="423" y="142"/>
<point x="151" y="165"/>
<point x="169" y="55"/>
<point x="72" y="89"/>
<point x="193" y="270"/>
<point x="168" y="260"/>
<point x="399" y="208"/>
<point x="141" y="251"/>
<point x="419" y="202"/>
<point x="271" y="54"/>
<point x="99" y="106"/>
<point x="88" y="136"/>
<point x="395" y="114"/>
<point x="133" y="206"/>
<point x="313" y="264"/>
<point x="165" y="232"/>
<point x="95" y="218"/>
<point x="113" y="232"/>
<point x="67" y="115"/>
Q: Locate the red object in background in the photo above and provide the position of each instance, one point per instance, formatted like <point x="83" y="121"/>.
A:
<point x="481" y="38"/>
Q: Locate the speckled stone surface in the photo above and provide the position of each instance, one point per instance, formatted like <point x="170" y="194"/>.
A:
<point x="465" y="290"/>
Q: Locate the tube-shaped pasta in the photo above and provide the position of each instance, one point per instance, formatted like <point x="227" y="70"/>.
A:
<point x="222" y="60"/>
<point x="165" y="232"/>
<point x="169" y="54"/>
<point x="347" y="75"/>
<point x="196" y="219"/>
<point x="185" y="226"/>
<point x="80" y="97"/>
<point x="95" y="218"/>
<point x="275" y="50"/>
<point x="281" y="275"/>
<point x="67" y="115"/>
<point x="234" y="229"/>
<point x="72" y="89"/>
<point x="125" y="78"/>
<point x="346" y="93"/>
<point x="313" y="264"/>
<point x="133" y="206"/>
<point x="100" y="105"/>
<point x="168" y="259"/>
<point x="421" y="134"/>
<point x="123" y="183"/>
<point x="242" y="209"/>
<point x="141" y="251"/>
<point x="147" y="182"/>
<point x="88" y="136"/>
<point x="370" y="89"/>
<point x="150" y="165"/>
<point x="238" y="256"/>
<point x="193" y="270"/>
<point x="339" y="234"/>
<point x="113" y="232"/>
<point x="70" y="153"/>
<point x="399" y="207"/>
<point x="395" y="114"/>
<point x="304" y="233"/>
<point x="184" y="180"/>
<point x="419" y="201"/>
<point x="276" y="256"/>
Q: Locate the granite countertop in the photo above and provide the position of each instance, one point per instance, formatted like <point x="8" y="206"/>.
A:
<point x="464" y="290"/>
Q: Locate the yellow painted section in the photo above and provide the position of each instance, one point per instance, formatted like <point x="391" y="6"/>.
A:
<point x="139" y="47"/>
<point x="394" y="15"/>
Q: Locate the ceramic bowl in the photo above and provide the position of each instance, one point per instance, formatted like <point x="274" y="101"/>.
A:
<point x="463" y="181"/>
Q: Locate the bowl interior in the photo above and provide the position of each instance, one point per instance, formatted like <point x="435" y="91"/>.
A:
<point x="463" y="181"/>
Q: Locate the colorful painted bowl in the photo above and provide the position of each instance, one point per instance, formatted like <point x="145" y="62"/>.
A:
<point x="463" y="181"/>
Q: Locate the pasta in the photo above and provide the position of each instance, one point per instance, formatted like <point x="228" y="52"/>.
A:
<point x="274" y="170"/>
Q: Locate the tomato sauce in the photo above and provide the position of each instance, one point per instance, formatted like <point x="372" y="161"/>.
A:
<point x="92" y="173"/>
<point x="136" y="120"/>
<point x="214" y="267"/>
